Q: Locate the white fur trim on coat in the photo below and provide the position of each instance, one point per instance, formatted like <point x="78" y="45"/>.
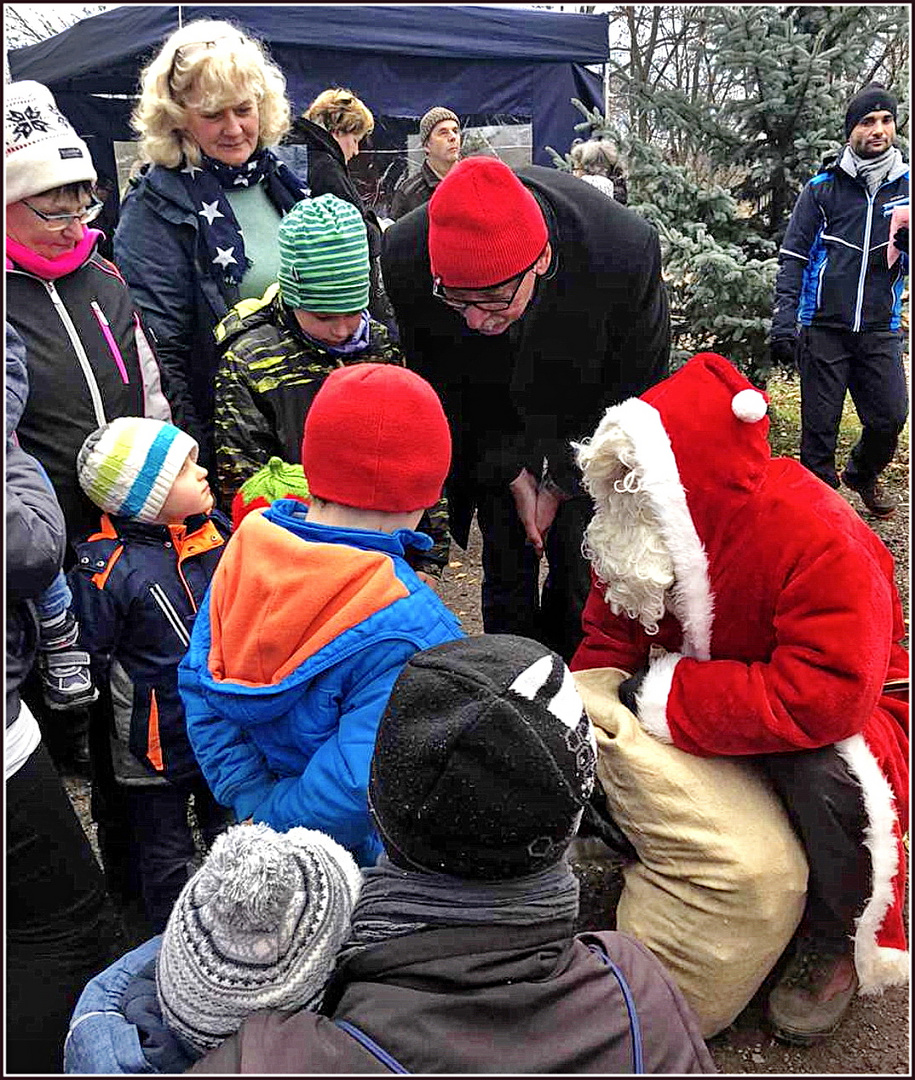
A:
<point x="877" y="967"/>
<point x="651" y="700"/>
<point x="691" y="594"/>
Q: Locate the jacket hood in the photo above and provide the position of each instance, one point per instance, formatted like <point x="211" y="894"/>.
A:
<point x="286" y="591"/>
<point x="701" y="451"/>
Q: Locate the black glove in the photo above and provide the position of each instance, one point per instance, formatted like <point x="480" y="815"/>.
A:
<point x="597" y="821"/>
<point x="783" y="352"/>
<point x="901" y="239"/>
<point x="628" y="688"/>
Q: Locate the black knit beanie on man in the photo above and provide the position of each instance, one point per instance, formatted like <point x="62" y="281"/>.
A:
<point x="483" y="761"/>
<point x="873" y="97"/>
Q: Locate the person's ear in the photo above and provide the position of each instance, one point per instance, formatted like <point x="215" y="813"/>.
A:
<point x="543" y="263"/>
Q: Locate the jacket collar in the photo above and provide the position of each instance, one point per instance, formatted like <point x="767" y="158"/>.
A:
<point x="315" y="137"/>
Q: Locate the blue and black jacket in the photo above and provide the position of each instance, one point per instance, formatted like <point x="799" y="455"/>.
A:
<point x="832" y="266"/>
<point x="136" y="590"/>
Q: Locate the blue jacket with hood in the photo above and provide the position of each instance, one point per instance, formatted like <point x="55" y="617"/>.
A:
<point x="292" y="658"/>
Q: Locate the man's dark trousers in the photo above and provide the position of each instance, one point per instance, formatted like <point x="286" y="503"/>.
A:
<point x="869" y="366"/>
<point x="511" y="597"/>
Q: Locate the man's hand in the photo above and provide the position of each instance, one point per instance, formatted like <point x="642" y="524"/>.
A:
<point x="547" y="505"/>
<point x="524" y="490"/>
<point x="783" y="353"/>
<point x="901" y="239"/>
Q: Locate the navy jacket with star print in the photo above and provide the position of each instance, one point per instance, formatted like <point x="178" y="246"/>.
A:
<point x="160" y="249"/>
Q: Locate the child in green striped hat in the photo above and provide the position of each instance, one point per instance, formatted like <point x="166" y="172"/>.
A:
<point x="277" y="351"/>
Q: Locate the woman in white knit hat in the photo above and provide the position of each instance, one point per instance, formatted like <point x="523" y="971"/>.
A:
<point x="88" y="359"/>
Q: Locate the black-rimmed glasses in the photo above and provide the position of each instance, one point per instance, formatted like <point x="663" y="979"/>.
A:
<point x="501" y="303"/>
<point x="59" y="222"/>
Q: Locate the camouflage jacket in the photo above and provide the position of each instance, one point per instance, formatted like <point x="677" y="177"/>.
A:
<point x="268" y="376"/>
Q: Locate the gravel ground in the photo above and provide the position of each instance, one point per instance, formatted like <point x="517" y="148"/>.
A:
<point x="874" y="1037"/>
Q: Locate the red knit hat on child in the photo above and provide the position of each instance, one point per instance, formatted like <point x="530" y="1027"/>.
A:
<point x="376" y="438"/>
<point x="485" y="227"/>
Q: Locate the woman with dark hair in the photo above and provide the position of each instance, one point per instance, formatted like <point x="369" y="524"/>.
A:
<point x="198" y="227"/>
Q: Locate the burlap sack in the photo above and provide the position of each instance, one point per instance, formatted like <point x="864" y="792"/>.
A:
<point x="720" y="886"/>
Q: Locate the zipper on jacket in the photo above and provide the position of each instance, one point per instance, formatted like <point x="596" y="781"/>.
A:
<point x="81" y="356"/>
<point x="859" y="305"/>
<point x="865" y="252"/>
<point x="109" y="338"/>
<point x="165" y="605"/>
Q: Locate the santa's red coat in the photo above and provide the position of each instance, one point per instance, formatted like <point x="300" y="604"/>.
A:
<point x="786" y="621"/>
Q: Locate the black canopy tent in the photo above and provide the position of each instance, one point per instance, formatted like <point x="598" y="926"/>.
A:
<point x="483" y="62"/>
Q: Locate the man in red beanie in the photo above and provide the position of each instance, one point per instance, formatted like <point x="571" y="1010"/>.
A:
<point x="531" y="302"/>
<point x="315" y="610"/>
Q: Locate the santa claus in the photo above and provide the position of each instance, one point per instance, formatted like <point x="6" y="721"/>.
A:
<point x="756" y="615"/>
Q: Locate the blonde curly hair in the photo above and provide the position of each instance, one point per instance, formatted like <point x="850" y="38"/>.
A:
<point x="227" y="67"/>
<point x="340" y="112"/>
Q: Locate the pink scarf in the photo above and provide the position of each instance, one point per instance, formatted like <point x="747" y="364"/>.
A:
<point x="51" y="269"/>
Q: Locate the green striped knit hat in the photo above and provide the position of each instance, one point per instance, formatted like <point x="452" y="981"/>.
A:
<point x="324" y="257"/>
<point x="128" y="467"/>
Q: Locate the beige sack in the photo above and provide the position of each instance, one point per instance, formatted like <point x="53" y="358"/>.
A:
<point x="720" y="887"/>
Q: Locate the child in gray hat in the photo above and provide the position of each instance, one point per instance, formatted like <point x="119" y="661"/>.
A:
<point x="257" y="927"/>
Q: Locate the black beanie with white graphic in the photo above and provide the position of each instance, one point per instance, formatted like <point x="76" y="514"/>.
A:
<point x="483" y="761"/>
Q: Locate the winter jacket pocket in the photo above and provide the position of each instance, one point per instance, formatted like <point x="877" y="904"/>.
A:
<point x="158" y="731"/>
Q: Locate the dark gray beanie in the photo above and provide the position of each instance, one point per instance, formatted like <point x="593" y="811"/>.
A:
<point x="483" y="761"/>
<point x="874" y="96"/>
<point x="435" y="116"/>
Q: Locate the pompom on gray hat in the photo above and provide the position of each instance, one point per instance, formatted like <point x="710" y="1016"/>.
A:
<point x="42" y="149"/>
<point x="257" y="927"/>
<point x="324" y="257"/>
<point x="435" y="116"/>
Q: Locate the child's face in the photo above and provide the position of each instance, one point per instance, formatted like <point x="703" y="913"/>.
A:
<point x="190" y="494"/>
<point x="331" y="329"/>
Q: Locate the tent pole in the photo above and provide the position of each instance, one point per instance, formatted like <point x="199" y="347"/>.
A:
<point x="606" y="93"/>
<point x="180" y="23"/>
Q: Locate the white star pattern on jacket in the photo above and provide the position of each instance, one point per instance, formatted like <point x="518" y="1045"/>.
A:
<point x="224" y="256"/>
<point x="191" y="169"/>
<point x="209" y="211"/>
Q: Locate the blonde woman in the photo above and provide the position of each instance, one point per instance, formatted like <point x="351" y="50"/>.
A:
<point x="333" y="127"/>
<point x="198" y="227"/>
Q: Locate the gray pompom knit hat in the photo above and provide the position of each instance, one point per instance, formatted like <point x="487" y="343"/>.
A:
<point x="435" y="116"/>
<point x="324" y="257"/>
<point x="128" y="466"/>
<point x="42" y="149"/>
<point x="257" y="927"/>
<point x="484" y="760"/>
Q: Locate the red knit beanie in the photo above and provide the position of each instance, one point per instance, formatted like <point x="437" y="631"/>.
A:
<point x="376" y="438"/>
<point x="484" y="225"/>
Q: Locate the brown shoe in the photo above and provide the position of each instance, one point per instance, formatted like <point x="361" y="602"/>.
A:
<point x="812" y="995"/>
<point x="874" y="496"/>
